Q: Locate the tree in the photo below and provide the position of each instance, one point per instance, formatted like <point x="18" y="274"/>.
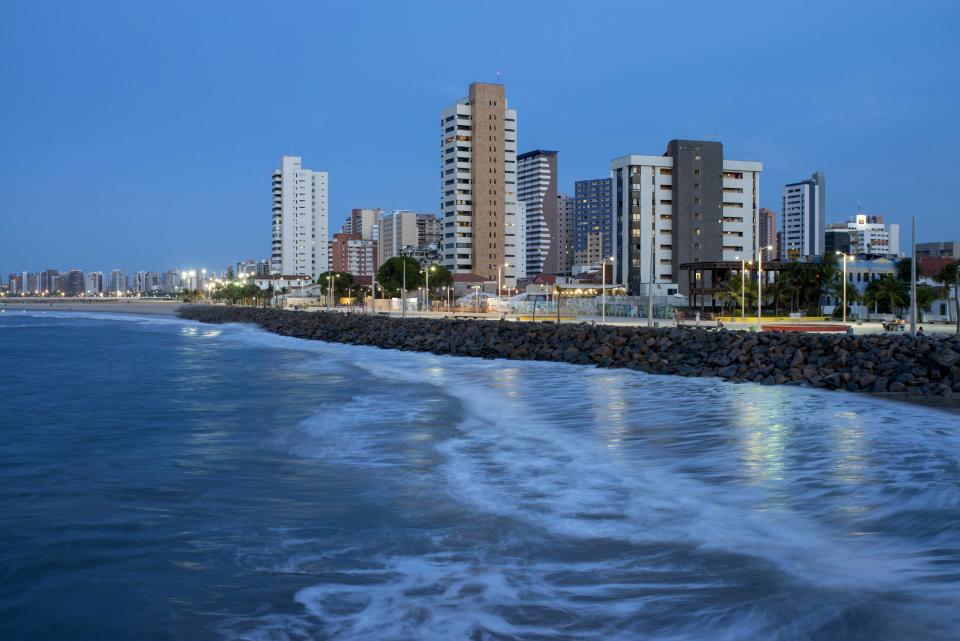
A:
<point x="925" y="297"/>
<point x="440" y="276"/>
<point x="390" y="274"/>
<point x="741" y="294"/>
<point x="949" y="276"/>
<point x="904" y="270"/>
<point x="342" y="282"/>
<point x="893" y="291"/>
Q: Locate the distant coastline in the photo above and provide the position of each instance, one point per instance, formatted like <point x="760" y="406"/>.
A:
<point x="131" y="306"/>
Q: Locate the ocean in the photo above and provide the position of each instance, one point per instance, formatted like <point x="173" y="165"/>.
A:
<point x="163" y="479"/>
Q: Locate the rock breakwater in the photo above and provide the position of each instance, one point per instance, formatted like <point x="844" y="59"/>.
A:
<point x="895" y="365"/>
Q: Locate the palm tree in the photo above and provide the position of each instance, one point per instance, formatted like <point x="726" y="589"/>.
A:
<point x="925" y="297"/>
<point x="949" y="276"/>
<point x="894" y="291"/>
<point x="736" y="290"/>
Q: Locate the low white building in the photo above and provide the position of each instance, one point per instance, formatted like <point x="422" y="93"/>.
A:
<point x="282" y="281"/>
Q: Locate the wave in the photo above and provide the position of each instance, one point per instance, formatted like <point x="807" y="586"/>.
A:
<point x="611" y="504"/>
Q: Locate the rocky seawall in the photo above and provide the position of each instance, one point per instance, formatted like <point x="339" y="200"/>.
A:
<point x="893" y="365"/>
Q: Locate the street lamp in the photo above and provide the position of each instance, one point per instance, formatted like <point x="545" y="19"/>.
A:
<point x="743" y="288"/>
<point x="427" y="294"/>
<point x="760" y="284"/>
<point x="845" y="258"/>
<point x="476" y="292"/>
<point x="499" y="285"/>
<point x="603" y="289"/>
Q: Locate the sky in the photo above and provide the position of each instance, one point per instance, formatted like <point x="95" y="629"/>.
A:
<point x="143" y="135"/>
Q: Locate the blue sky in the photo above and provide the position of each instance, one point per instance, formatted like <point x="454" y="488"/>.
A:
<point x="143" y="135"/>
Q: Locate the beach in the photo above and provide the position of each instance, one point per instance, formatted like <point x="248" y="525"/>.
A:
<point x="114" y="306"/>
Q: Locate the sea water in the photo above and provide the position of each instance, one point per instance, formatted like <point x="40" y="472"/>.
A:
<point x="163" y="479"/>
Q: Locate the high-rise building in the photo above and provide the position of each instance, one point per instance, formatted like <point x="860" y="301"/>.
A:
<point x="353" y="254"/>
<point x="93" y="283"/>
<point x="363" y="222"/>
<point x="804" y="216"/>
<point x="429" y="231"/>
<point x="49" y="281"/>
<point x="865" y="235"/>
<point x="140" y="282"/>
<point x="666" y="214"/>
<point x="520" y="267"/>
<point x="171" y="281"/>
<point x="397" y="230"/>
<point x="593" y="221"/>
<point x="14" y="284"/>
<point x="478" y="184"/>
<point x="537" y="190"/>
<point x="768" y="233"/>
<point x="117" y="283"/>
<point x="565" y="230"/>
<point x="33" y="283"/>
<point x="300" y="213"/>
<point x="72" y="283"/>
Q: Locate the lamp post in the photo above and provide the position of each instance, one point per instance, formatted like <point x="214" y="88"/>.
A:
<point x="403" y="291"/>
<point x="844" y="258"/>
<point x="743" y="289"/>
<point x="499" y="281"/>
<point x="476" y="292"/>
<point x="760" y="283"/>
<point x="426" y="294"/>
<point x="603" y="290"/>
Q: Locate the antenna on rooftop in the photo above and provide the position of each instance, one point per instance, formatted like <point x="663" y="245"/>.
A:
<point x="859" y="208"/>
<point x="498" y="77"/>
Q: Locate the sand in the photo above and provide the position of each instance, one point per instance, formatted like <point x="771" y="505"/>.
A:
<point x="132" y="306"/>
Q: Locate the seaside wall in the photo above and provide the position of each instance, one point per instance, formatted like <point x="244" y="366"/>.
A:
<point x="878" y="363"/>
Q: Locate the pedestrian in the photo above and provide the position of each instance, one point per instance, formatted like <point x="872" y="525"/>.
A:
<point x="920" y="332"/>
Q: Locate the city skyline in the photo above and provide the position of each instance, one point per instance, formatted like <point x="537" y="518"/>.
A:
<point x="151" y="151"/>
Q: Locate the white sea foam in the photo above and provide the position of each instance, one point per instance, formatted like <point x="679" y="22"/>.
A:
<point x="787" y="478"/>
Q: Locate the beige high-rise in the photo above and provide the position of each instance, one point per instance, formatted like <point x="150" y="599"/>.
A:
<point x="478" y="184"/>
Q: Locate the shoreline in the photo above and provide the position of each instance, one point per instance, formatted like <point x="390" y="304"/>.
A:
<point x="146" y="307"/>
<point x="923" y="370"/>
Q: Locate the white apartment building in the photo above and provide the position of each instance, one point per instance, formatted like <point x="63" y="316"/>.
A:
<point x="869" y="235"/>
<point x="93" y="283"/>
<point x="804" y="215"/>
<point x="690" y="205"/>
<point x="117" y="283"/>
<point x="537" y="190"/>
<point x="300" y="217"/>
<point x="478" y="184"/>
<point x="520" y="241"/>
